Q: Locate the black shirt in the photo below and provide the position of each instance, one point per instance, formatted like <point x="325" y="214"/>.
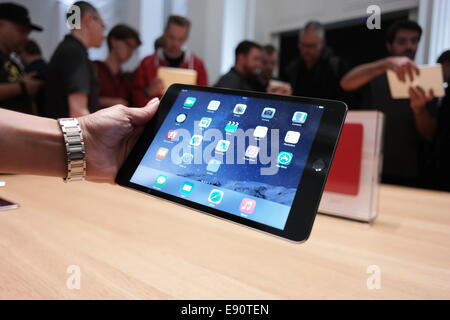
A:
<point x="174" y="62"/>
<point x="322" y="81"/>
<point x="234" y="80"/>
<point x="70" y="71"/>
<point x="11" y="72"/>
<point x="40" y="67"/>
<point x="402" y="141"/>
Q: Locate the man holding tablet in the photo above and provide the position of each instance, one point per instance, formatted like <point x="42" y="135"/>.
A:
<point x="409" y="122"/>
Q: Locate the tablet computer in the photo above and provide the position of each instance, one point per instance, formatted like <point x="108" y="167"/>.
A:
<point x="430" y="78"/>
<point x="171" y="76"/>
<point x="256" y="159"/>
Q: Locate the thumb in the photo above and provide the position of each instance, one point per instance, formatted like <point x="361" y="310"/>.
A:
<point x="140" y="116"/>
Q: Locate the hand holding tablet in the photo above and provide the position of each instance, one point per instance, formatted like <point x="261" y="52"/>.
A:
<point x="255" y="159"/>
<point x="428" y="78"/>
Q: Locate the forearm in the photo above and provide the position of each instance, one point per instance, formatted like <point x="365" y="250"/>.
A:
<point x="31" y="145"/>
<point x="9" y="90"/>
<point x="361" y="75"/>
<point x="78" y="105"/>
<point x="425" y="124"/>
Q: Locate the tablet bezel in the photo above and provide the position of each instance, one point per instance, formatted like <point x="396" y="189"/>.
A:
<point x="309" y="192"/>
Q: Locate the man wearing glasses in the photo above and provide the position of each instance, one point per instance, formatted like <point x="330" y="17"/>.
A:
<point x="316" y="73"/>
<point x="72" y="85"/>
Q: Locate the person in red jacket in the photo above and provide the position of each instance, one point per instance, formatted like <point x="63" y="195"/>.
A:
<point x="146" y="84"/>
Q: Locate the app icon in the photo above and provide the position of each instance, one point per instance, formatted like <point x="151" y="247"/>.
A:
<point x="232" y="127"/>
<point x="213" y="165"/>
<point x="260" y="132"/>
<point x="172" y="135"/>
<point x="187" y="188"/>
<point x="268" y="113"/>
<point x="213" y="105"/>
<point x="240" y="109"/>
<point x="285" y="158"/>
<point x="252" y="152"/>
<point x="223" y="146"/>
<point x="299" y="117"/>
<point x="162" y="153"/>
<point x="189" y="102"/>
<point x="205" y="122"/>
<point x="247" y="206"/>
<point x="187" y="158"/>
<point x="292" y="137"/>
<point x="160" y="180"/>
<point x="196" y="140"/>
<point x="181" y="118"/>
<point x="215" y="196"/>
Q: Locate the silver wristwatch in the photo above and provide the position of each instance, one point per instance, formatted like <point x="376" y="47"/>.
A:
<point x="76" y="153"/>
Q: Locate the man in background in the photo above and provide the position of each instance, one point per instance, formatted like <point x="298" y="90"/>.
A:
<point x="16" y="87"/>
<point x="34" y="63"/>
<point x="115" y="86"/>
<point x="72" y="85"/>
<point x="267" y="78"/>
<point x="146" y="83"/>
<point x="409" y="122"/>
<point x="317" y="72"/>
<point x="245" y="73"/>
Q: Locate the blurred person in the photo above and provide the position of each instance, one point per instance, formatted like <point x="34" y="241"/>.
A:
<point x="72" y="84"/>
<point x="244" y="75"/>
<point x="16" y="87"/>
<point x="159" y="43"/>
<point x="115" y="86"/>
<point x="146" y="84"/>
<point x="317" y="72"/>
<point x="267" y="78"/>
<point x="440" y="169"/>
<point x="409" y="122"/>
<point x="32" y="60"/>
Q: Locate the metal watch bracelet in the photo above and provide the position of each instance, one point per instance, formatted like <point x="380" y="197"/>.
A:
<point x="76" y="152"/>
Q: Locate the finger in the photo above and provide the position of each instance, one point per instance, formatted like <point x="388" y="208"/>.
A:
<point x="421" y="92"/>
<point x="412" y="93"/>
<point x="400" y="74"/>
<point x="410" y="73"/>
<point x="140" y="116"/>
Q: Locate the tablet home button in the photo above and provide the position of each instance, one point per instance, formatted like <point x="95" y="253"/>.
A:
<point x="319" y="165"/>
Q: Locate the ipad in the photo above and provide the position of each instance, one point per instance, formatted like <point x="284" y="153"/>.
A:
<point x="170" y="76"/>
<point x="430" y="77"/>
<point x="256" y="159"/>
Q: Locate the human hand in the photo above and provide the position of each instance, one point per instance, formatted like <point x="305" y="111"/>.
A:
<point x="109" y="135"/>
<point x="419" y="98"/>
<point x="403" y="67"/>
<point x="31" y="83"/>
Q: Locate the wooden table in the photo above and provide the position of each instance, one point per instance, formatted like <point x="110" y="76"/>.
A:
<point x="131" y="246"/>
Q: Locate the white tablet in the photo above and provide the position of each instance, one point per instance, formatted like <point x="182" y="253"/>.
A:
<point x="430" y="77"/>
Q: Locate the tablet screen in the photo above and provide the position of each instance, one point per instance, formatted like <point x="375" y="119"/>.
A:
<point x="241" y="155"/>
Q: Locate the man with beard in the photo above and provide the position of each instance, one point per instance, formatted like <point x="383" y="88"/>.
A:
<point x="244" y="74"/>
<point x="409" y="123"/>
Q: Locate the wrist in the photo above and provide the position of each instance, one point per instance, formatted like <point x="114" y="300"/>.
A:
<point x="75" y="149"/>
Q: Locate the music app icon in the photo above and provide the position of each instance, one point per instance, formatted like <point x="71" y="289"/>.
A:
<point x="247" y="206"/>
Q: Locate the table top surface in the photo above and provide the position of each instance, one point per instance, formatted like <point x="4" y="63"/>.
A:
<point x="128" y="245"/>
